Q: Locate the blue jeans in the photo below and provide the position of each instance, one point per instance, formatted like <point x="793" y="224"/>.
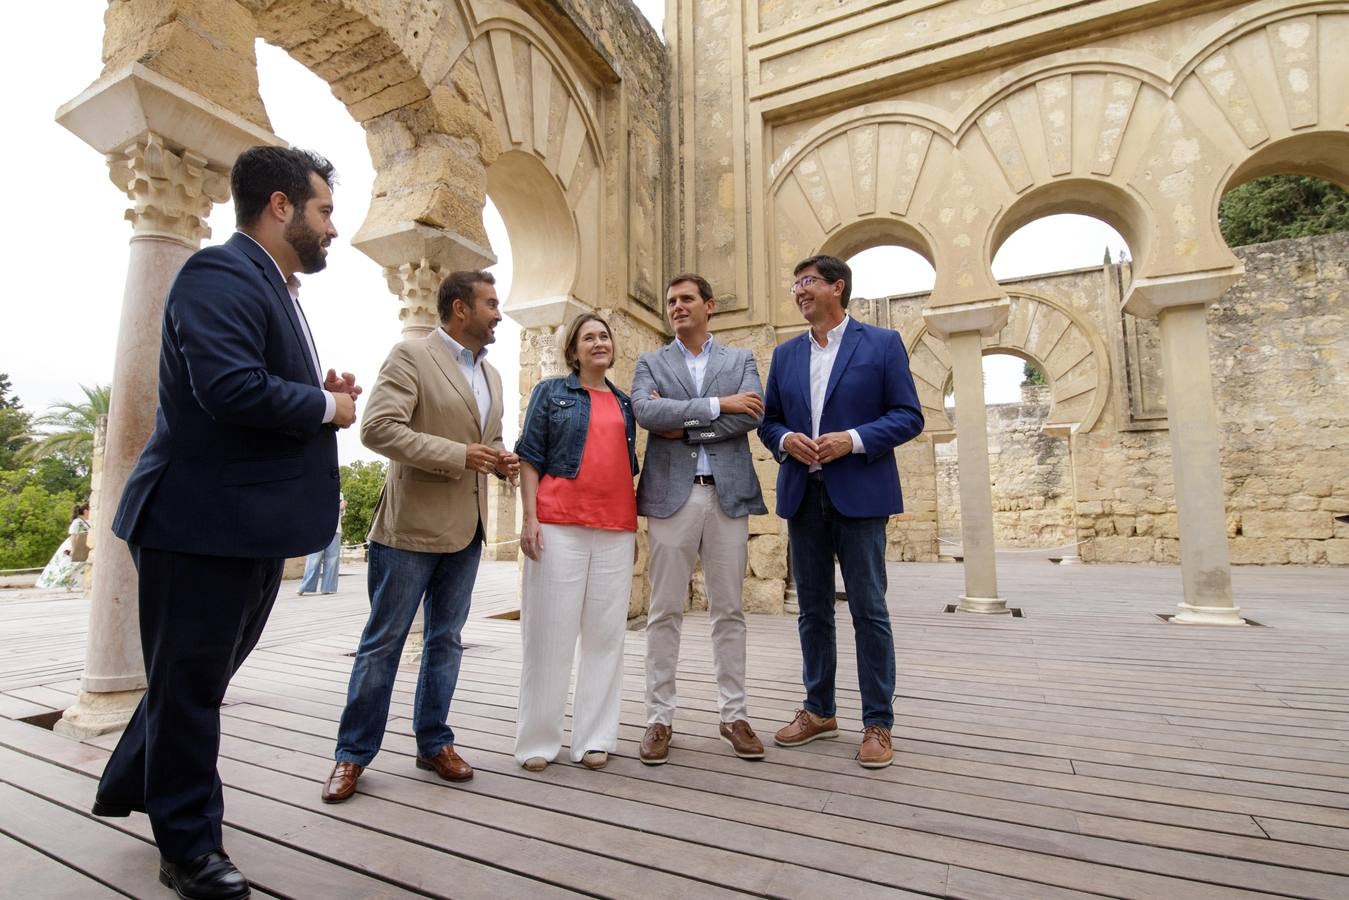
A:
<point x="816" y="534"/>
<point x="398" y="581"/>
<point x="325" y="560"/>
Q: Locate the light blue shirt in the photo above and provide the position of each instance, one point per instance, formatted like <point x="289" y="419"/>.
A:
<point x="697" y="369"/>
<point x="471" y="366"/>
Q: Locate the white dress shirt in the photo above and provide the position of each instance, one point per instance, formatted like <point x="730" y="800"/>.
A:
<point x="697" y="369"/>
<point x="293" y="288"/>
<point x="471" y="366"/>
<point x="821" y="366"/>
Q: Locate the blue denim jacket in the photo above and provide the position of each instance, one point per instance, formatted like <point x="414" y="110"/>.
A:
<point x="554" y="434"/>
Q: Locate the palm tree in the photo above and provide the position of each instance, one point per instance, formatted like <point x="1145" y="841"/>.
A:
<point x="67" y="429"/>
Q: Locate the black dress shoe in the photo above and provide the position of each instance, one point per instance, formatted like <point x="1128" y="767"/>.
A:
<point x="108" y="809"/>
<point x="210" y="876"/>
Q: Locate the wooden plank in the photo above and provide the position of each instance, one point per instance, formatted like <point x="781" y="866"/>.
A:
<point x="33" y="874"/>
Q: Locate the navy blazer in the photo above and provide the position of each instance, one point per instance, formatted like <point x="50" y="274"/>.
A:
<point x="239" y="463"/>
<point x="870" y="389"/>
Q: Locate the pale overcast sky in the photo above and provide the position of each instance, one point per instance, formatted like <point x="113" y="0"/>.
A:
<point x="65" y="238"/>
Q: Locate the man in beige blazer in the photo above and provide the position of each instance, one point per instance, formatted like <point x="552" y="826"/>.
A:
<point x="435" y="412"/>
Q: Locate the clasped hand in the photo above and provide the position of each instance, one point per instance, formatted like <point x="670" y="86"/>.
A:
<point x="345" y="390"/>
<point x="824" y="449"/>
<point x="485" y="459"/>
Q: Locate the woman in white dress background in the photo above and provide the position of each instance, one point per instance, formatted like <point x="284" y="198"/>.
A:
<point x="63" y="571"/>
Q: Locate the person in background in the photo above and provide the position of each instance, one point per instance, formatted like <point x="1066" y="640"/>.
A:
<point x="64" y="572"/>
<point x="320" y="567"/>
<point x="578" y="456"/>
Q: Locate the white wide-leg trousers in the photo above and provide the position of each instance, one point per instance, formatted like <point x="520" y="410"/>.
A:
<point x="573" y="605"/>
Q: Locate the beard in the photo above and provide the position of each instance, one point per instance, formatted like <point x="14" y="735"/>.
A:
<point x="307" y="244"/>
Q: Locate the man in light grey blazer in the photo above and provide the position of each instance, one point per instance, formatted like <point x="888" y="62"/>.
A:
<point x="700" y="400"/>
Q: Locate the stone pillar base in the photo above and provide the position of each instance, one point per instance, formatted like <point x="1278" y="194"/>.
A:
<point x="1071" y="559"/>
<point x="1207" y="615"/>
<point x="988" y="606"/>
<point x="98" y="713"/>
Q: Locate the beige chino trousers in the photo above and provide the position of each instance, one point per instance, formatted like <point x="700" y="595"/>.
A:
<point x="698" y="529"/>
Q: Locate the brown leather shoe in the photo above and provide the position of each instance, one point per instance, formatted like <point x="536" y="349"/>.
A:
<point x="806" y="727"/>
<point x="594" y="759"/>
<point x="875" y="751"/>
<point x="447" y="764"/>
<point x="655" y="749"/>
<point x="342" y="783"/>
<point x="742" y="739"/>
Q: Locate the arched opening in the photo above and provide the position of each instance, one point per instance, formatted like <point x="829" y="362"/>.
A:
<point x="348" y="306"/>
<point x="1029" y="466"/>
<point x="535" y="213"/>
<point x="1278" y="340"/>
<point x="889" y="270"/>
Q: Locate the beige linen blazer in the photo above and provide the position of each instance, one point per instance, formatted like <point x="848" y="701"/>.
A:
<point x="421" y="415"/>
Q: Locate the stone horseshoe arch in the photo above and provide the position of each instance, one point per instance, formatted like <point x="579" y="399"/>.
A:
<point x="1063" y="345"/>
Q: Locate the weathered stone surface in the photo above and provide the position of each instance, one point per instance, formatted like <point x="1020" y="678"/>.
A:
<point x="768" y="556"/>
<point x="765" y="595"/>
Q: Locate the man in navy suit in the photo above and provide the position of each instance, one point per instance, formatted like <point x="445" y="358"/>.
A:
<point x="239" y="474"/>
<point x="839" y="400"/>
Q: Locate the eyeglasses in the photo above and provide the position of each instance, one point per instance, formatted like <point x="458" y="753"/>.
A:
<point x="806" y="282"/>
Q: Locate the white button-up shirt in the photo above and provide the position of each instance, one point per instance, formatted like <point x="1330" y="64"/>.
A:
<point x="471" y="366"/>
<point x="697" y="369"/>
<point x="821" y="366"/>
<point x="293" y="288"/>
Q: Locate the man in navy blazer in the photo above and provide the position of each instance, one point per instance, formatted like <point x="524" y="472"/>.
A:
<point x="839" y="400"/>
<point x="239" y="473"/>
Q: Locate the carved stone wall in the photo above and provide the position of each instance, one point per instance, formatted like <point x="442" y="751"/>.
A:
<point x="1280" y="351"/>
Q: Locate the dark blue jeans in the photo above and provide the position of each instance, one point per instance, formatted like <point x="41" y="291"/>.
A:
<point x="816" y="534"/>
<point x="398" y="582"/>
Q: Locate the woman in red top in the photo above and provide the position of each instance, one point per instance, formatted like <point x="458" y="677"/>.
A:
<point x="578" y="459"/>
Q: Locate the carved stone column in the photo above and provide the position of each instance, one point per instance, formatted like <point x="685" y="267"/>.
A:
<point x="962" y="327"/>
<point x="1180" y="303"/>
<point x="416" y="285"/>
<point x="142" y="123"/>
<point x="416" y="258"/>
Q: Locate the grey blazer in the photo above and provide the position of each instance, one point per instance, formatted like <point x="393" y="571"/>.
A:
<point x="667" y="473"/>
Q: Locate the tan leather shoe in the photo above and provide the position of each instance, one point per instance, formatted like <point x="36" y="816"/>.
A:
<point x="806" y="727"/>
<point x="655" y="749"/>
<point x="742" y="739"/>
<point x="447" y="764"/>
<point x="875" y="752"/>
<point x="595" y="759"/>
<point x="341" y="784"/>
<point x="534" y="764"/>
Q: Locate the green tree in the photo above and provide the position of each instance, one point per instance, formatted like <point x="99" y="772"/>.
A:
<point x="15" y="426"/>
<point x="361" y="483"/>
<point x="33" y="522"/>
<point x="68" y="428"/>
<point x="1032" y="375"/>
<point x="1281" y="206"/>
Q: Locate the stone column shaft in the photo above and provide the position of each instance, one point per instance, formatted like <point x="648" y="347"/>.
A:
<point x="1180" y="303"/>
<point x="976" y="492"/>
<point x="171" y="194"/>
<point x="1193" y="420"/>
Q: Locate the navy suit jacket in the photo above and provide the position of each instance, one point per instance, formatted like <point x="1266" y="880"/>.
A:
<point x="239" y="463"/>
<point x="870" y="389"/>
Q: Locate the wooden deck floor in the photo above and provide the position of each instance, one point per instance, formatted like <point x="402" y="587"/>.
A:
<point x="1085" y="749"/>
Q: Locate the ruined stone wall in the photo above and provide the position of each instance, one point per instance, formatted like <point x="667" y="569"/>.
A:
<point x="1031" y="475"/>
<point x="1280" y="352"/>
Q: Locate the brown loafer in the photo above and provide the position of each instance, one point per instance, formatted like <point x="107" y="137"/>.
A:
<point x="342" y="783"/>
<point x="742" y="739"/>
<point x="806" y="727"/>
<point x="875" y="752"/>
<point x="655" y="749"/>
<point x="595" y="759"/>
<point x="447" y="764"/>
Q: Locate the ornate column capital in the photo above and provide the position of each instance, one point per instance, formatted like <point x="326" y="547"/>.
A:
<point x="416" y="285"/>
<point x="546" y="342"/>
<point x="171" y="193"/>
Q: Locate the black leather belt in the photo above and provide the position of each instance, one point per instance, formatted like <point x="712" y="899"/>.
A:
<point x="704" y="479"/>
